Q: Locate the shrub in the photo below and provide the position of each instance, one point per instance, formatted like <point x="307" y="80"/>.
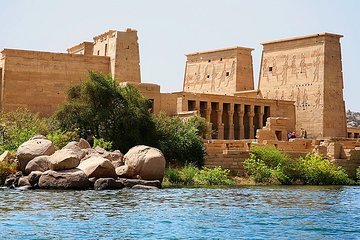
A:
<point x="317" y="170"/>
<point x="173" y="176"/>
<point x="191" y="175"/>
<point x="188" y="173"/>
<point x="100" y="142"/>
<point x="180" y="139"/>
<point x="358" y="173"/>
<point x="268" y="165"/>
<point x="214" y="176"/>
<point x="61" y="138"/>
<point x="184" y="175"/>
<point x="6" y="169"/>
<point x="19" y="126"/>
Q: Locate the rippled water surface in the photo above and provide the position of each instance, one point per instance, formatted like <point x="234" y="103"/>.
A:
<point x="236" y="213"/>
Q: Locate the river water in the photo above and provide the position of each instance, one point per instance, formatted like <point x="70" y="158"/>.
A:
<point x="292" y="212"/>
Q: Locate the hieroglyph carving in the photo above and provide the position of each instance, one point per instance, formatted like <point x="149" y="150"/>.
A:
<point x="210" y="75"/>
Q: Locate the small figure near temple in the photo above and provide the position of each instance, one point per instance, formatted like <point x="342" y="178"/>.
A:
<point x="302" y="133"/>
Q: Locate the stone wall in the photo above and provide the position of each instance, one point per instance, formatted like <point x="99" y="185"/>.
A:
<point x="123" y="50"/>
<point x="230" y="154"/>
<point x="39" y="80"/>
<point x="307" y="70"/>
<point x="223" y="71"/>
<point x="227" y="154"/>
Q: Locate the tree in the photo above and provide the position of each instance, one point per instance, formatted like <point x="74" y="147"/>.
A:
<point x="100" y="108"/>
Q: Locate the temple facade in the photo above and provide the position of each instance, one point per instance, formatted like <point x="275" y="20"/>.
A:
<point x="300" y="83"/>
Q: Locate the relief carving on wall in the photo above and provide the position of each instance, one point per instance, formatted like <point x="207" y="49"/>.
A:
<point x="284" y="72"/>
<point x="217" y="81"/>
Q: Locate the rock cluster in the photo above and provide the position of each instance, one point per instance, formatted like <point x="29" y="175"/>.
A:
<point x="78" y="166"/>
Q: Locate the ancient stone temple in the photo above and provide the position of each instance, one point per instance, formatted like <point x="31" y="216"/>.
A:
<point x="38" y="80"/>
<point x="223" y="71"/>
<point x="308" y="71"/>
<point x="300" y="83"/>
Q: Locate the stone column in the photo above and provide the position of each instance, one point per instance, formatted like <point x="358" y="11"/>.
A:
<point x="251" y="115"/>
<point x="208" y="115"/>
<point x="231" y="124"/>
<point x="220" y="124"/>
<point x="241" y="121"/>
<point x="261" y="115"/>
<point x="197" y="106"/>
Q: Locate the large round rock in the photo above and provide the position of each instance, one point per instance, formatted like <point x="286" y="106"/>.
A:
<point x="40" y="163"/>
<point x="67" y="179"/>
<point x="97" y="167"/>
<point x="64" y="159"/>
<point x="33" y="148"/>
<point x="147" y="162"/>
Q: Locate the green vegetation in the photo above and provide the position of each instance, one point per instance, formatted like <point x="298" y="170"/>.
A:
<point x="18" y="126"/>
<point x="316" y="170"/>
<point x="61" y="138"/>
<point x="102" y="143"/>
<point x="181" y="140"/>
<point x="100" y="108"/>
<point x="358" y="174"/>
<point x="6" y="169"/>
<point x="120" y="118"/>
<point x="270" y="166"/>
<point x="114" y="117"/>
<point x="190" y="175"/>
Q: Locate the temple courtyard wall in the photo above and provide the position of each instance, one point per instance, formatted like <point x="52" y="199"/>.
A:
<point x="39" y="80"/>
<point x="231" y="154"/>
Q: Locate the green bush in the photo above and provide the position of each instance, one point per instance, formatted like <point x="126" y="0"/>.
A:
<point x="268" y="165"/>
<point x="191" y="175"/>
<point x="358" y="173"/>
<point x="172" y="175"/>
<point x="184" y="175"/>
<point x="214" y="176"/>
<point x="6" y="169"/>
<point x="180" y="139"/>
<point x="100" y="142"/>
<point x="19" y="126"/>
<point x="61" y="138"/>
<point x="188" y="173"/>
<point x="319" y="171"/>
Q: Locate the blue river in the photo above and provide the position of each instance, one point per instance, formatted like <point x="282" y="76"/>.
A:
<point x="256" y="212"/>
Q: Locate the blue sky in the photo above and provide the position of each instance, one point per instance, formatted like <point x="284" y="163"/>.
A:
<point x="168" y="30"/>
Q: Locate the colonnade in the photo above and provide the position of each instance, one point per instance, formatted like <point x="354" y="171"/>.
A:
<point x="232" y="120"/>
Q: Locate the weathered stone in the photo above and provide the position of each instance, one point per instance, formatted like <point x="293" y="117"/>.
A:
<point x="5" y="156"/>
<point x="100" y="150"/>
<point x="74" y="146"/>
<point x="83" y="144"/>
<point x="23" y="181"/>
<point x="38" y="136"/>
<point x="66" y="179"/>
<point x="40" y="163"/>
<point x="125" y="171"/>
<point x="33" y="148"/>
<point x="117" y="164"/>
<point x="34" y="177"/>
<point x="13" y="179"/>
<point x="114" y="156"/>
<point x="25" y="187"/>
<point x="97" y="167"/>
<point x="139" y="186"/>
<point x="147" y="162"/>
<point x="64" y="159"/>
<point x="132" y="182"/>
<point x="107" y="183"/>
